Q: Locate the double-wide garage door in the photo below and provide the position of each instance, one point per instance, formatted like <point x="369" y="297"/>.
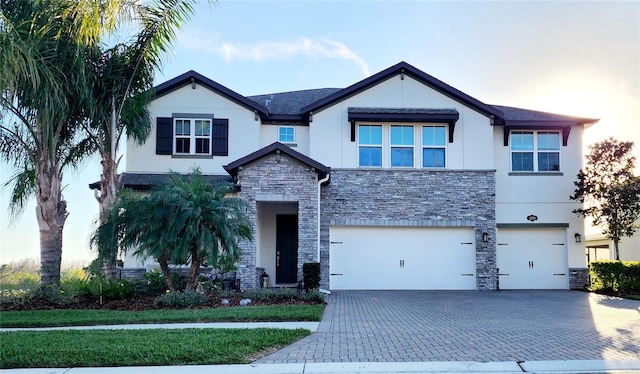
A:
<point x="394" y="258"/>
<point x="532" y="259"/>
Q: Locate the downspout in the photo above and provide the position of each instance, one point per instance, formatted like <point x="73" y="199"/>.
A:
<point x="320" y="182"/>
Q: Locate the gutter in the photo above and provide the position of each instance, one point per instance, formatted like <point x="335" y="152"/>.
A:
<point x="320" y="182"/>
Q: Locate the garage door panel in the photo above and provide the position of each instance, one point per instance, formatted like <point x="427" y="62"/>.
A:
<point x="402" y="258"/>
<point x="532" y="259"/>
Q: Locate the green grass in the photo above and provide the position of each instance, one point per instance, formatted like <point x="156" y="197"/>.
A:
<point x="86" y="317"/>
<point x="633" y="297"/>
<point x="72" y="348"/>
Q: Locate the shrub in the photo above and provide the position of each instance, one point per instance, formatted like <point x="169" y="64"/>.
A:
<point x="187" y="299"/>
<point x="311" y="274"/>
<point x="111" y="290"/>
<point x="616" y="276"/>
<point x="283" y="295"/>
<point x="314" y="296"/>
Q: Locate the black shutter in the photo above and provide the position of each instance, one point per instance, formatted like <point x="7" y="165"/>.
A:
<point x="164" y="135"/>
<point x="220" y="137"/>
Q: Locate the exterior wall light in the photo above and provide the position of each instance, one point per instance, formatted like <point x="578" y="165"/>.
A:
<point x="485" y="237"/>
<point x="193" y="83"/>
<point x="578" y="237"/>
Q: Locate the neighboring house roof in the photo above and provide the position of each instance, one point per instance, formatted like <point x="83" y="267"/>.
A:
<point x="277" y="147"/>
<point x="194" y="77"/>
<point x="143" y="182"/>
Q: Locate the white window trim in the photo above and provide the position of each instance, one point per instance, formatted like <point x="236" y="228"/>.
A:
<point x="535" y="152"/>
<point x="192" y="136"/>
<point x="386" y="144"/>
<point x="294" y="134"/>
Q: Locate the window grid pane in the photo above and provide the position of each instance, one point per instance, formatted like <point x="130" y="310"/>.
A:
<point x="548" y="141"/>
<point x="433" y="157"/>
<point x="434" y="135"/>
<point x="286" y="134"/>
<point x="402" y="135"/>
<point x="548" y="161"/>
<point x="370" y="134"/>
<point x="370" y="156"/>
<point x="522" y="141"/>
<point x="401" y="157"/>
<point x="522" y="161"/>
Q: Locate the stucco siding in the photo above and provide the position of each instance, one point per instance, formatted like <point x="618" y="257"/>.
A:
<point x="244" y="132"/>
<point x="330" y="131"/>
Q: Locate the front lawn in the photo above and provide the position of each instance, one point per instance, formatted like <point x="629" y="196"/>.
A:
<point x="72" y="348"/>
<point x="85" y="317"/>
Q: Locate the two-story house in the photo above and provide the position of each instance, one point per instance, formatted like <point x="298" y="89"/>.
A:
<point x="398" y="181"/>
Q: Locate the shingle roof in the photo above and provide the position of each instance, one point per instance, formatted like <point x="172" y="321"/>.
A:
<point x="291" y="102"/>
<point x="295" y="106"/>
<point x="518" y="115"/>
<point x="139" y="182"/>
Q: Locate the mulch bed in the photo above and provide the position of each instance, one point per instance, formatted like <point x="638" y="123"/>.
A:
<point x="137" y="303"/>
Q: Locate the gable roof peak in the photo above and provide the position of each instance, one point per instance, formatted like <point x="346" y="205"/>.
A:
<point x="403" y="68"/>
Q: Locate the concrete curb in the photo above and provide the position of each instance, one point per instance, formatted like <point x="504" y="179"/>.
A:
<point x="577" y="366"/>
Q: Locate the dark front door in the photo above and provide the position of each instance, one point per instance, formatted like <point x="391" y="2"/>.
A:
<point x="286" y="248"/>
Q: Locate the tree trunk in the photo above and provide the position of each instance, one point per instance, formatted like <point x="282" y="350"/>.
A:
<point x="194" y="271"/>
<point x="164" y="267"/>
<point x="51" y="212"/>
<point x="108" y="195"/>
<point x="616" y="250"/>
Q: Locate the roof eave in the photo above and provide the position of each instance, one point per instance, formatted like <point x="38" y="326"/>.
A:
<point x="192" y="77"/>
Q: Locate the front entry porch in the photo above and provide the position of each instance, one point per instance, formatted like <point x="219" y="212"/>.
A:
<point x="277" y="242"/>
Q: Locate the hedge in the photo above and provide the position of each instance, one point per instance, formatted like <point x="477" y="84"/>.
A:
<point x="618" y="276"/>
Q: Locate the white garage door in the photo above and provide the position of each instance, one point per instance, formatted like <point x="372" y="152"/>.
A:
<point x="394" y="258"/>
<point x="532" y="259"/>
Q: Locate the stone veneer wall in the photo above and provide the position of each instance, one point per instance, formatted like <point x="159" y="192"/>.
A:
<point x="418" y="198"/>
<point x="579" y="278"/>
<point x="279" y="179"/>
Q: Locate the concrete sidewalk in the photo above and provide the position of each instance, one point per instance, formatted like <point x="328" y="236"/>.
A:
<point x="578" y="366"/>
<point x="311" y="326"/>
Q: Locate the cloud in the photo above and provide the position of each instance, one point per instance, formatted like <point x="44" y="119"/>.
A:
<point x="272" y="50"/>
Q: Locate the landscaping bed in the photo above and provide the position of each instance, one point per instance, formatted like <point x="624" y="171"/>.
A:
<point x="135" y="303"/>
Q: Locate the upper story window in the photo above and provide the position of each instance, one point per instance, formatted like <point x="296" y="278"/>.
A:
<point x="401" y="141"/>
<point x="370" y="145"/>
<point x="286" y="134"/>
<point x="192" y="136"/>
<point x="535" y="151"/>
<point x="434" y="146"/>
<point x="398" y="145"/>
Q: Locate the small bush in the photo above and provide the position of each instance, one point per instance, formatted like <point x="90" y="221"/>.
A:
<point x="311" y="274"/>
<point x="314" y="296"/>
<point x="187" y="299"/>
<point x="283" y="295"/>
<point x="111" y="290"/>
<point x="615" y="276"/>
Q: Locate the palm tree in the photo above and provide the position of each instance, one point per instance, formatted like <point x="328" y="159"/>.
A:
<point x="122" y="84"/>
<point x="41" y="110"/>
<point x="55" y="80"/>
<point x="187" y="221"/>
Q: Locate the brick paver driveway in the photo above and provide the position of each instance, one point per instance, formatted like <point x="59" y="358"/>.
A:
<point x="394" y="326"/>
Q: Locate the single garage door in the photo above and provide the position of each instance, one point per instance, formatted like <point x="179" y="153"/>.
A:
<point x="395" y="258"/>
<point x="532" y="259"/>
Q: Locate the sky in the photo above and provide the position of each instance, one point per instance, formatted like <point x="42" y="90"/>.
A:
<point x="568" y="57"/>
